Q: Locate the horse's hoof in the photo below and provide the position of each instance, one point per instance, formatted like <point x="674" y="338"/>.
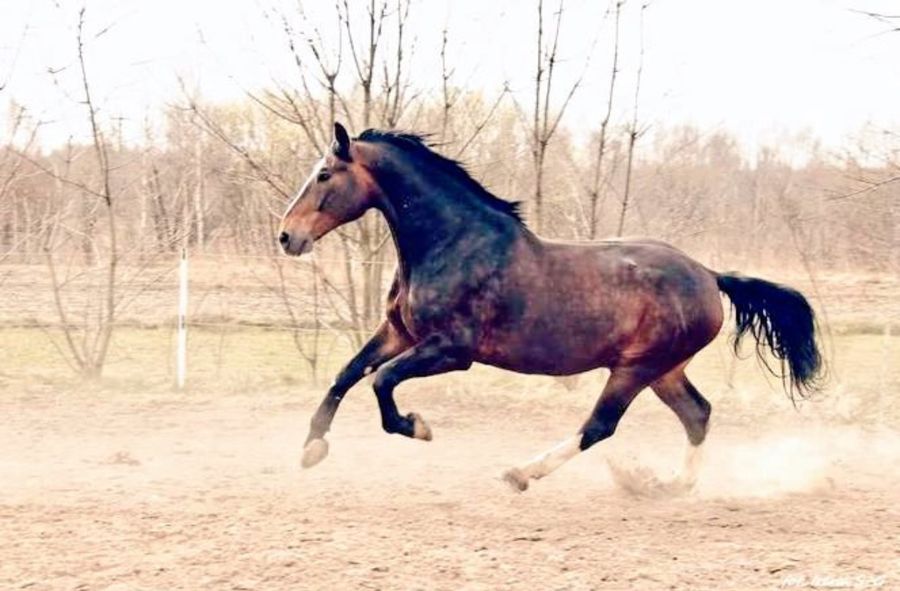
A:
<point x="314" y="452"/>
<point x="421" y="430"/>
<point x="516" y="479"/>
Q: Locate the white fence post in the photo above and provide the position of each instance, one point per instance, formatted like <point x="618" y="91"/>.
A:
<point x="181" y="357"/>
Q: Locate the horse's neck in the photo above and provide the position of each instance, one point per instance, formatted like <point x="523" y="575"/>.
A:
<point x="421" y="224"/>
<point x="427" y="224"/>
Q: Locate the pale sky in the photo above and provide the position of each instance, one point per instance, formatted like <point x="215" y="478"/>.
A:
<point x="757" y="68"/>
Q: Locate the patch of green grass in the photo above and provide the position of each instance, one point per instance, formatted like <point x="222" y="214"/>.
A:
<point x="861" y="327"/>
<point x="864" y="373"/>
<point x="216" y="358"/>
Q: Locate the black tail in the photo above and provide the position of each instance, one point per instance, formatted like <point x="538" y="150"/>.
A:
<point x="780" y="318"/>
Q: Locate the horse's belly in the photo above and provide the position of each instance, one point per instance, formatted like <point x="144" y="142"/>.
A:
<point x="544" y="364"/>
<point x="548" y="354"/>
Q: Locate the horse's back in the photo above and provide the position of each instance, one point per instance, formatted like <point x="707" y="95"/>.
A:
<point x="603" y="303"/>
<point x="628" y="263"/>
<point x="641" y="275"/>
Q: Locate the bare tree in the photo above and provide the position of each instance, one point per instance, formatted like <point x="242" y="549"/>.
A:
<point x="11" y="170"/>
<point x="395" y="86"/>
<point x="545" y="124"/>
<point x="597" y="176"/>
<point x="633" y="132"/>
<point x="7" y="75"/>
<point x="891" y="21"/>
<point x="449" y="95"/>
<point x="373" y="234"/>
<point x="364" y="57"/>
<point x="89" y="353"/>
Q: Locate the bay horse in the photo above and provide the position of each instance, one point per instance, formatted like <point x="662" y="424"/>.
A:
<point x="474" y="284"/>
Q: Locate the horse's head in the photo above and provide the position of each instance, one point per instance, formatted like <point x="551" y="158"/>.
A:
<point x="339" y="190"/>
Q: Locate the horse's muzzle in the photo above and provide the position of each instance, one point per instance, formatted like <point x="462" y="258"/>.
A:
<point x="295" y="245"/>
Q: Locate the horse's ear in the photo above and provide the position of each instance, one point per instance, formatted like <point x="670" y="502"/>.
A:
<point x="340" y="145"/>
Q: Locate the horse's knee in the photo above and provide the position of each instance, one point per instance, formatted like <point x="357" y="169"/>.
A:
<point x="384" y="383"/>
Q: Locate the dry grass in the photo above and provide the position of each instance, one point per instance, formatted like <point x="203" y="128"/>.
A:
<point x="862" y="371"/>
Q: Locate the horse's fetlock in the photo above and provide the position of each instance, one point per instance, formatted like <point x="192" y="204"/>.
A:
<point x="318" y="425"/>
<point x="697" y="436"/>
<point x="392" y="428"/>
<point x="595" y="433"/>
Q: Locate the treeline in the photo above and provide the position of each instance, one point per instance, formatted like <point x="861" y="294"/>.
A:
<point x="215" y="178"/>
<point x="219" y="178"/>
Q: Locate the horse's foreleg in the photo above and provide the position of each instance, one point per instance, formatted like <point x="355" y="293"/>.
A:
<point x="435" y="355"/>
<point x="384" y="345"/>
<point x="621" y="388"/>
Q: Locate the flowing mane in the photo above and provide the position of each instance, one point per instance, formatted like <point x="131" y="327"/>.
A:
<point x="417" y="146"/>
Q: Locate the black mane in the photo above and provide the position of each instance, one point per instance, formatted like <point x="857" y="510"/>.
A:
<point x="417" y="145"/>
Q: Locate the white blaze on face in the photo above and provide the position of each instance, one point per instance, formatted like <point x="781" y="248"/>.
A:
<point x="312" y="177"/>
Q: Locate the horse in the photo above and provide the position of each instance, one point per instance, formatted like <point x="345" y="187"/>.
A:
<point x="475" y="285"/>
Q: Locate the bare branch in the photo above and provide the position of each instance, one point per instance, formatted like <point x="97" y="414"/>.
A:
<point x="213" y="129"/>
<point x="633" y="133"/>
<point x="481" y="125"/>
<point x="870" y="186"/>
<point x="604" y="125"/>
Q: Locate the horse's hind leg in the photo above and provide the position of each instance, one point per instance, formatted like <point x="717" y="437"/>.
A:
<point x="691" y="408"/>
<point x="620" y="390"/>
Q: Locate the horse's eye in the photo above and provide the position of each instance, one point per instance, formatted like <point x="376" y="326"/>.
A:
<point x="324" y="175"/>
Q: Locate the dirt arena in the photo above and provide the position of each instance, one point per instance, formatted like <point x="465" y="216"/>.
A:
<point x="166" y="491"/>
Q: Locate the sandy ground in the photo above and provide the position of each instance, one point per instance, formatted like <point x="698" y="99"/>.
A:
<point x="161" y="491"/>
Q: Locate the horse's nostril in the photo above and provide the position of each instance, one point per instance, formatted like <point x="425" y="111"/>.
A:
<point x="284" y="239"/>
